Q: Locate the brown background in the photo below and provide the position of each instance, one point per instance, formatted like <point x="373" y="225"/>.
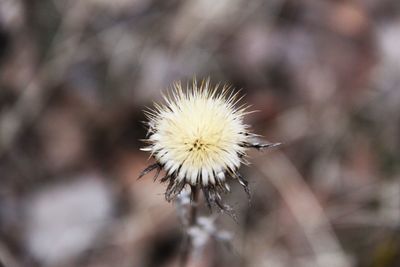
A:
<point x="76" y="75"/>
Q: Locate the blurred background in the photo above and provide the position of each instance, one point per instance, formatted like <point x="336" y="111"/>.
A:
<point x="76" y="75"/>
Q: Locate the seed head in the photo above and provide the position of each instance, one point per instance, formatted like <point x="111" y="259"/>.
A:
<point x="199" y="138"/>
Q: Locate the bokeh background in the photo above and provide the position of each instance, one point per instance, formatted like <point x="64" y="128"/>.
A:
<point x="75" y="76"/>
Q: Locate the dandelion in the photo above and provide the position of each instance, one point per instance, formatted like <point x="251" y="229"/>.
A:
<point x="199" y="139"/>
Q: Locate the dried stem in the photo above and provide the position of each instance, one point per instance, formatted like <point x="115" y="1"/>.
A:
<point x="187" y="242"/>
<point x="193" y="206"/>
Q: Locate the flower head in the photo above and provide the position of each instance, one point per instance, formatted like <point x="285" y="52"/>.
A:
<point x="199" y="138"/>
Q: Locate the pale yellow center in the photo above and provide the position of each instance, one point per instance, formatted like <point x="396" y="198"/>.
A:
<point x="199" y="135"/>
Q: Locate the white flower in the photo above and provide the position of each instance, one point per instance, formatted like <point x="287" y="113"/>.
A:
<point x="198" y="137"/>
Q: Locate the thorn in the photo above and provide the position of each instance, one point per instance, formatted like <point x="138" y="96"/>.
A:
<point x="226" y="209"/>
<point x="260" y="146"/>
<point x="148" y="169"/>
<point x="206" y="194"/>
<point x="157" y="173"/>
<point x="164" y="179"/>
<point x="245" y="184"/>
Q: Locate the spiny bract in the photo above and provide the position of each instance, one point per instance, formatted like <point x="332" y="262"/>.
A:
<point x="198" y="137"/>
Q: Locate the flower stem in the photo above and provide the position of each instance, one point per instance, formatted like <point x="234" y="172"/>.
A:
<point x="193" y="206"/>
<point x="187" y="242"/>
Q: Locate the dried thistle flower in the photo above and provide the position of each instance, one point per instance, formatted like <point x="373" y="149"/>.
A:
<point x="199" y="138"/>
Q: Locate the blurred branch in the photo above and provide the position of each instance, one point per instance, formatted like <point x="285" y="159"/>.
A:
<point x="37" y="92"/>
<point x="6" y="259"/>
<point x="306" y="210"/>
